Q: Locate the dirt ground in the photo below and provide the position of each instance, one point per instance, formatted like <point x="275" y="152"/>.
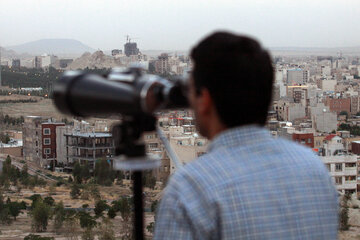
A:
<point x="22" y="226"/>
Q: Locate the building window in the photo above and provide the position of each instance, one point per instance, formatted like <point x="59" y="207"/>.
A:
<point x="153" y="145"/>
<point x="46" y="131"/>
<point x="350" y="178"/>
<point x="36" y="143"/>
<point x="338" y="180"/>
<point x="350" y="165"/>
<point x="309" y="140"/>
<point x="47" y="150"/>
<point x="338" y="167"/>
<point x="47" y="141"/>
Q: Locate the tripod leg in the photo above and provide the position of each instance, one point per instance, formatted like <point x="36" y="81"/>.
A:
<point x="138" y="204"/>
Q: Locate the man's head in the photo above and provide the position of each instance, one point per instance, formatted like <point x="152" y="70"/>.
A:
<point x="231" y="83"/>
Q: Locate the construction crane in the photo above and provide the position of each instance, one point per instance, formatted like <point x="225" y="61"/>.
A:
<point x="128" y="39"/>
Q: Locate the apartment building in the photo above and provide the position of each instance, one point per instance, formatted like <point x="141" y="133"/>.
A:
<point x="343" y="170"/>
<point x="39" y="140"/>
<point x="87" y="147"/>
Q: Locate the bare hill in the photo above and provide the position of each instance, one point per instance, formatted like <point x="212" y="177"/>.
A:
<point x="96" y="60"/>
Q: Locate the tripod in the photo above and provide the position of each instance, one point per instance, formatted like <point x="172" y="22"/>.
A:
<point x="132" y="157"/>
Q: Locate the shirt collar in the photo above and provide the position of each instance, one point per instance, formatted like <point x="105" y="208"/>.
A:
<point x="243" y="135"/>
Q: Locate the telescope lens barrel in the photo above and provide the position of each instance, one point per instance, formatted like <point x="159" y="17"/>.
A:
<point x="90" y="95"/>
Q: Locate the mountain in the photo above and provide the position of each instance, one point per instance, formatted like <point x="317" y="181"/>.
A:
<point x="52" y="46"/>
<point x="12" y="54"/>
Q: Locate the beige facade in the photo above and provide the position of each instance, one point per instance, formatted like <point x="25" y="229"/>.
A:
<point x="32" y="143"/>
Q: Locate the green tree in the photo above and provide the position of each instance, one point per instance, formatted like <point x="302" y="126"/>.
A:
<point x="150" y="227"/>
<point x="37" y="237"/>
<point x="103" y="172"/>
<point x="111" y="213"/>
<point x="75" y="191"/>
<point x="94" y="192"/>
<point x="344" y="213"/>
<point x="24" y="174"/>
<point x="149" y="180"/>
<point x="77" y="172"/>
<point x="34" y="198"/>
<point x="85" y="172"/>
<point x="100" y="207"/>
<point x="70" y="179"/>
<point x="344" y="113"/>
<point x="5" y="216"/>
<point x="86" y="220"/>
<point x="59" y="215"/>
<point x="14" y="209"/>
<point x="154" y="205"/>
<point x="40" y="216"/>
<point x="49" y="201"/>
<point x="124" y="205"/>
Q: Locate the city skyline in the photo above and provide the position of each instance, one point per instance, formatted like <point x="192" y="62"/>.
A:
<point x="179" y="25"/>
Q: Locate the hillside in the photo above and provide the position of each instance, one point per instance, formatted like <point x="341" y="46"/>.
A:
<point x="96" y="60"/>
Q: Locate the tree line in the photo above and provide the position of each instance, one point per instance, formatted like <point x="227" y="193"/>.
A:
<point x="354" y="130"/>
<point x="6" y="119"/>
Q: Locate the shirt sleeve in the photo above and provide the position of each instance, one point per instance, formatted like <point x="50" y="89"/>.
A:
<point x="172" y="221"/>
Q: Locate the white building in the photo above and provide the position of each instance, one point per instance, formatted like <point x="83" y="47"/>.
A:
<point x="343" y="170"/>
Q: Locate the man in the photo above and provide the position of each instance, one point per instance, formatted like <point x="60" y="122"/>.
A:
<point x="249" y="185"/>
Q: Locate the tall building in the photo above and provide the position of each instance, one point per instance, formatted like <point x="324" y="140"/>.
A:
<point x="38" y="62"/>
<point x="162" y="65"/>
<point x="39" y="140"/>
<point x="32" y="143"/>
<point x="15" y="63"/>
<point x="130" y="48"/>
<point x="297" y="76"/>
<point x="48" y="139"/>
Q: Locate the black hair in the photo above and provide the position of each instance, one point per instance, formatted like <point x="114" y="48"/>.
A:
<point x="238" y="74"/>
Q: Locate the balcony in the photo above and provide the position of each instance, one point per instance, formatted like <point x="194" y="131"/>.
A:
<point x="89" y="157"/>
<point x="349" y="184"/>
<point x="90" y="146"/>
<point x="350" y="171"/>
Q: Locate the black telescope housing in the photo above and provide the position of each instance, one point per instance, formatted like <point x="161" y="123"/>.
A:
<point x="127" y="92"/>
<point x="132" y="94"/>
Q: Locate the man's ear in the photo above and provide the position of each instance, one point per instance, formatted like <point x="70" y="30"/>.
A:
<point x="205" y="103"/>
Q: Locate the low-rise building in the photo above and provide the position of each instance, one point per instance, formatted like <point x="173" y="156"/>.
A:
<point x="86" y="148"/>
<point x="343" y="170"/>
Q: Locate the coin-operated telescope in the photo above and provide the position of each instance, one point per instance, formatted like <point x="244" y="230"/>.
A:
<point x="133" y="95"/>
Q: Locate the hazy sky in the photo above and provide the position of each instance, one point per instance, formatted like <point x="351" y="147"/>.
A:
<point x="172" y="24"/>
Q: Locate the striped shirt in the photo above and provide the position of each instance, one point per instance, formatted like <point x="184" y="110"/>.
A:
<point x="250" y="186"/>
